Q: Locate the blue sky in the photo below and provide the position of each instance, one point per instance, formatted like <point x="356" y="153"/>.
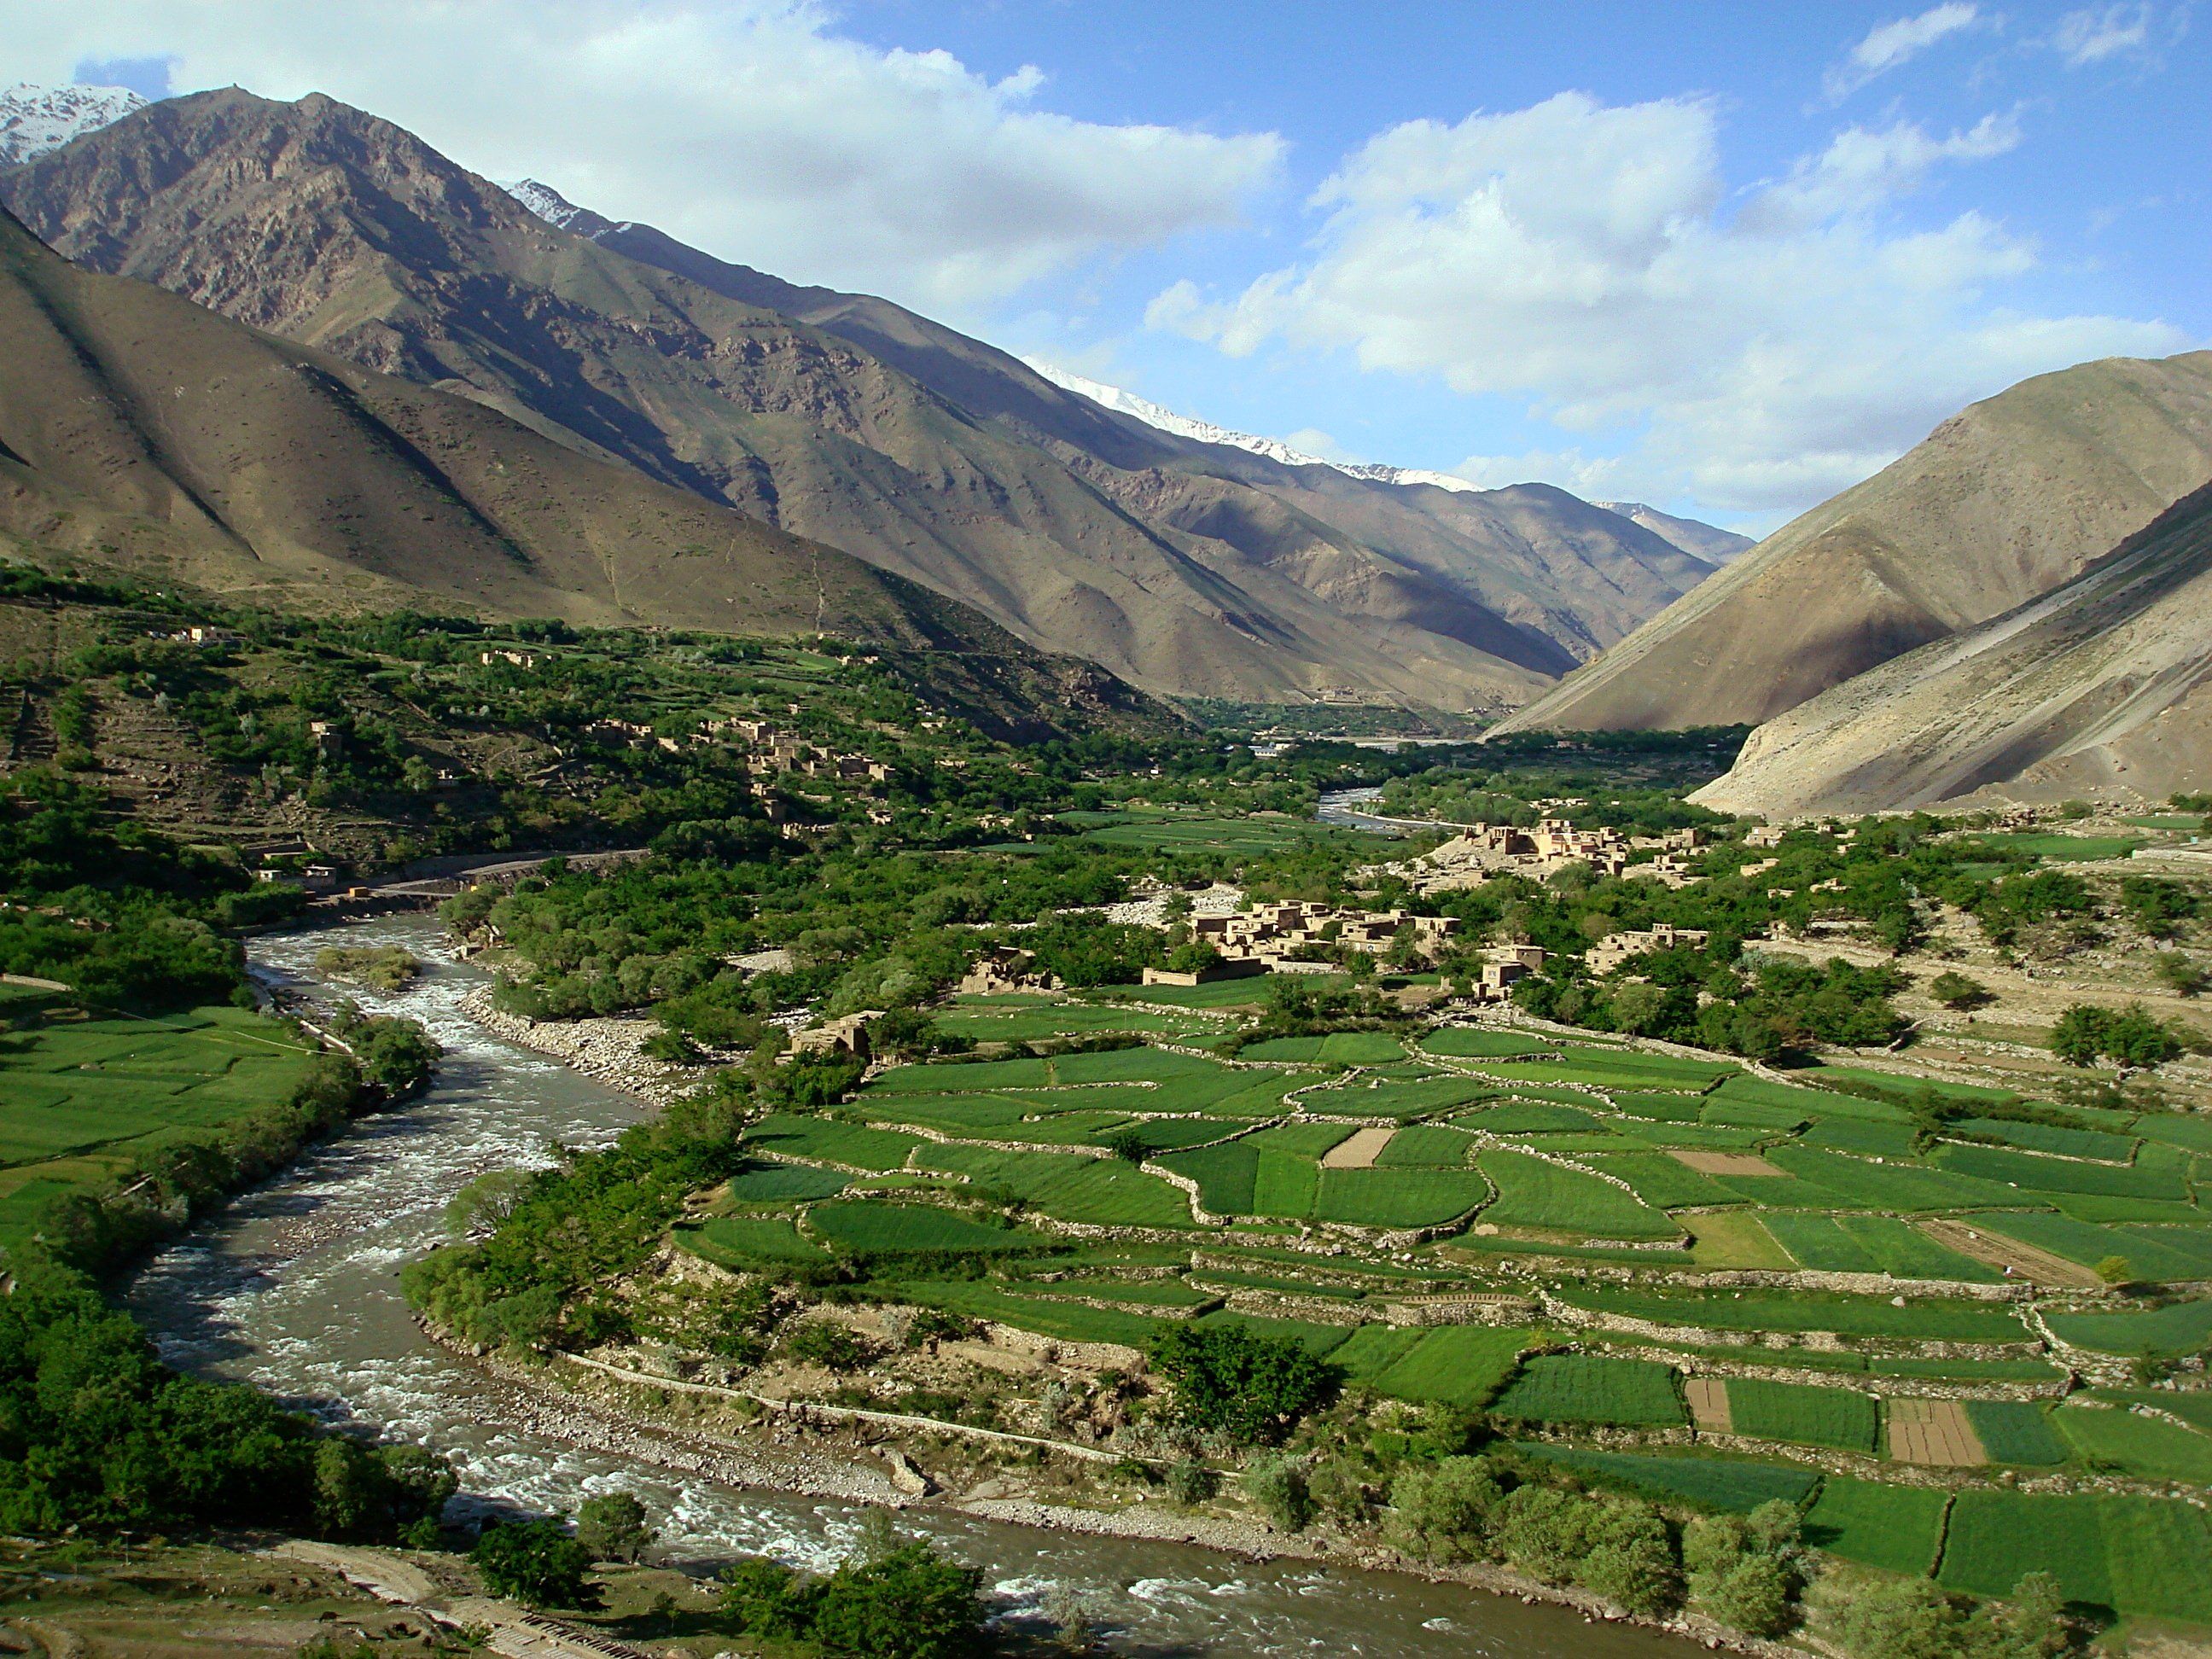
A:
<point x="1725" y="258"/>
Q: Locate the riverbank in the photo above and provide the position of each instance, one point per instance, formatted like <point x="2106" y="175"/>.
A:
<point x="609" y="1051"/>
<point x="591" y="1409"/>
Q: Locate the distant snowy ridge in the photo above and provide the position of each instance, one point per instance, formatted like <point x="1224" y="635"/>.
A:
<point x="35" y="119"/>
<point x="557" y="211"/>
<point x="1205" y="432"/>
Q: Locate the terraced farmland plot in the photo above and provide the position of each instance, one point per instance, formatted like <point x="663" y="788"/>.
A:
<point x="1582" y="1387"/>
<point x="862" y="1227"/>
<point x="1662" y="1180"/>
<point x="1027" y="1024"/>
<point x="1873" y="1244"/>
<point x="2052" y="1139"/>
<point x="2143" y="1447"/>
<point x="2015" y="1431"/>
<point x="1398" y="1197"/>
<point x="1139" y="1065"/>
<point x="2034" y="1173"/>
<point x="1833" y="1180"/>
<point x="1545" y="1198"/>
<point x="1069" y="1321"/>
<point x="1424" y="1145"/>
<point x="2151" y="1253"/>
<point x="1897" y="1528"/>
<point x="81" y="1087"/>
<point x="1927" y="1320"/>
<point x="1367" y="1098"/>
<point x="1371" y="1350"/>
<point x="733" y="1241"/>
<point x="1661" y="1107"/>
<point x="1731" y="1485"/>
<point x="1804" y="1102"/>
<point x="764" y="1182"/>
<point x="1998" y="1538"/>
<point x="1467" y="1044"/>
<point x="1319" y="1341"/>
<point x="1803" y="1414"/>
<point x="1934" y="1433"/>
<point x="1102" y="1191"/>
<point x="2155" y="1550"/>
<point x="1285" y="1184"/>
<point x="1865" y="1139"/>
<point x="1224" y="1174"/>
<point x="1337" y="1048"/>
<point x="1459" y="1364"/>
<point x="1528" y="1117"/>
<point x="955" y="1077"/>
<point x="2179" y="1329"/>
<point x="1634" y="1069"/>
<point x="1751" y="1115"/>
<point x="832" y="1141"/>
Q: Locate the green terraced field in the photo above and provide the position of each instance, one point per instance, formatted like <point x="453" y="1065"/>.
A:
<point x="1997" y="1538"/>
<point x="1872" y="1244"/>
<point x="1069" y="1321"/>
<point x="1898" y="1529"/>
<point x="1398" y="1197"/>
<point x="1337" y="1048"/>
<point x="2050" y="1138"/>
<point x="1662" y="1181"/>
<point x="1364" y="1097"/>
<point x="2143" y="1447"/>
<point x="81" y="1099"/>
<point x="734" y="1241"/>
<point x="1105" y="1191"/>
<point x="1460" y="1364"/>
<point x="1804" y="1415"/>
<point x="859" y="1227"/>
<point x="1581" y="1387"/>
<point x="832" y="1141"/>
<point x="765" y="1183"/>
<point x="2152" y="1253"/>
<point x="1525" y="1117"/>
<point x="1371" y="1350"/>
<point x="1543" y="1197"/>
<point x="2031" y="1172"/>
<point x="2015" y="1431"/>
<point x="2180" y="1328"/>
<point x="1732" y="1486"/>
<point x="1425" y="1146"/>
<point x="1480" y="1045"/>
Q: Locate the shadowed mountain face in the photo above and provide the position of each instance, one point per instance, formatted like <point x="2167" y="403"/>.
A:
<point x="142" y="434"/>
<point x="2002" y="503"/>
<point x="2103" y="684"/>
<point x="1183" y="567"/>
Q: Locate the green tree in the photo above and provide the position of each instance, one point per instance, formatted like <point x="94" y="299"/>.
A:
<point x="614" y="1526"/>
<point x="1230" y="1377"/>
<point x="1955" y="990"/>
<point x="1442" y="1511"/>
<point x="1276" y="1483"/>
<point x="533" y="1561"/>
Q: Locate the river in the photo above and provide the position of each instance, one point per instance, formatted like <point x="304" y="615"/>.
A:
<point x="294" y="1288"/>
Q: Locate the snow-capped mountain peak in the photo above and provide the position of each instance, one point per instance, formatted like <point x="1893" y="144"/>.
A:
<point x="35" y="119"/>
<point x="557" y="210"/>
<point x="1205" y="432"/>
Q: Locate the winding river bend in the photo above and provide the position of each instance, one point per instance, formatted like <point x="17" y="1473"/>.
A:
<point x="295" y="1288"/>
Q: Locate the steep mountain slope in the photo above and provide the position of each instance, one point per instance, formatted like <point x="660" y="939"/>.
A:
<point x="2104" y="683"/>
<point x="1407" y="549"/>
<point x="331" y="228"/>
<point x="1708" y="542"/>
<point x="140" y="433"/>
<point x="2002" y="503"/>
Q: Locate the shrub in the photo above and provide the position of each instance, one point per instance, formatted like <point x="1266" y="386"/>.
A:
<point x="533" y="1561"/>
<point x="821" y="1342"/>
<point x="2085" y="1034"/>
<point x="1277" y="1483"/>
<point x="1190" y="1481"/>
<point x="1442" y="1511"/>
<point x="889" y="1600"/>
<point x="1956" y="990"/>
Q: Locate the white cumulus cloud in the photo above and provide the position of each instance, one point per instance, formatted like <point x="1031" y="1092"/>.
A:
<point x="1584" y="257"/>
<point x="1887" y="46"/>
<point x="751" y="128"/>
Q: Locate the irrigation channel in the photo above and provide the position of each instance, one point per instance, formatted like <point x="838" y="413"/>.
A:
<point x="295" y="1288"/>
